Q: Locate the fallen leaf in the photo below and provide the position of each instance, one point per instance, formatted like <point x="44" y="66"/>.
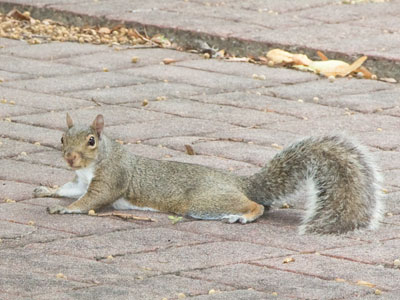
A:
<point x="189" y="150"/>
<point x="104" y="30"/>
<point x="175" y="219"/>
<point x="167" y="61"/>
<point x="365" y="283"/>
<point x="389" y="80"/>
<point x="288" y="260"/>
<point x="238" y="59"/>
<point x="61" y="276"/>
<point x="16" y="14"/>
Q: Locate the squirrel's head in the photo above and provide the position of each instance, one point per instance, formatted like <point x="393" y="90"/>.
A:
<point x="80" y="144"/>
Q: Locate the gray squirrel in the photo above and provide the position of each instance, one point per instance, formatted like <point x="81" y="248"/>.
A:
<point x="343" y="183"/>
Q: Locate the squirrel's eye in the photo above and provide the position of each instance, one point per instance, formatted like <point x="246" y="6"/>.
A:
<point x="62" y="140"/>
<point x="91" y="141"/>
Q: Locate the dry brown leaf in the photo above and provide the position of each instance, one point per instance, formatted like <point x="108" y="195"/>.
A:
<point x="321" y="55"/>
<point x="301" y="59"/>
<point x="279" y="56"/>
<point x="189" y="150"/>
<point x="329" y="67"/>
<point x="355" y="65"/>
<point x="16" y="14"/>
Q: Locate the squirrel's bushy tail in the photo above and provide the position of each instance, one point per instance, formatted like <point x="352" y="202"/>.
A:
<point x="343" y="184"/>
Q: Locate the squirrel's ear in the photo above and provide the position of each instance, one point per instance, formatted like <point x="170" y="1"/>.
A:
<point x="69" y="121"/>
<point x="98" y="124"/>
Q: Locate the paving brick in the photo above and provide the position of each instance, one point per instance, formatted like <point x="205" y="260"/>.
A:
<point x="221" y="113"/>
<point x="11" y="76"/>
<point x="48" y="158"/>
<point x="392" y="177"/>
<point x="284" y="235"/>
<point x="39" y="101"/>
<point x="392" y="202"/>
<point x="249" y="153"/>
<point x="67" y="83"/>
<point x="229" y="165"/>
<point x="33" y="174"/>
<point x="272" y="280"/>
<point x="199" y="256"/>
<point x="134" y="95"/>
<point x="15" y="190"/>
<point x="238" y="295"/>
<point x="273" y="76"/>
<point x="121" y="242"/>
<point x="113" y="115"/>
<point x="349" y="124"/>
<point x="371" y="102"/>
<point x="324" y="89"/>
<point x="78" y="269"/>
<point x="117" y="60"/>
<point x="74" y="224"/>
<point x="10" y="110"/>
<point x="16" y="235"/>
<point x="52" y="51"/>
<point x="36" y="67"/>
<point x="32" y="134"/>
<point x="371" y="253"/>
<point x="33" y="283"/>
<point x="264" y="137"/>
<point x="332" y="269"/>
<point x="8" y="43"/>
<point x="257" y="101"/>
<point x="9" y="148"/>
<point x="198" y="78"/>
<point x="165" y="128"/>
<point x="382" y="138"/>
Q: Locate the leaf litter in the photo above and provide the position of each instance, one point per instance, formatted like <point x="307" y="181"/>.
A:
<point x="21" y="26"/>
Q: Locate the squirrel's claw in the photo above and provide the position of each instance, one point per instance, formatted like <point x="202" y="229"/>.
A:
<point x="42" y="191"/>
<point x="58" y="209"/>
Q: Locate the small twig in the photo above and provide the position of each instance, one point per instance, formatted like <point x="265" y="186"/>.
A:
<point x="125" y="216"/>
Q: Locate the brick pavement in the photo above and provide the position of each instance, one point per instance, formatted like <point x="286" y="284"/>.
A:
<point x="233" y="122"/>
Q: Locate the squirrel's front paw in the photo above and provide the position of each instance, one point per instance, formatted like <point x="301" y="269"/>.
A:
<point x="42" y="191"/>
<point x="58" y="209"/>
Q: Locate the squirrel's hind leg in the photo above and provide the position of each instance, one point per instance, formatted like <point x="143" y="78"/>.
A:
<point x="228" y="208"/>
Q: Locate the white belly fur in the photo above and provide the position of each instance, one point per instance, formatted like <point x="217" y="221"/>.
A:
<point x="123" y="204"/>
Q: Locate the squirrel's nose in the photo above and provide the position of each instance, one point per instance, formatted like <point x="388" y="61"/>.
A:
<point x="70" y="157"/>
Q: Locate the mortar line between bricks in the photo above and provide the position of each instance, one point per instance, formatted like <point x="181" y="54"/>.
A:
<point x="19" y="181"/>
<point x="43" y="164"/>
<point x="205" y="119"/>
<point x="274" y="95"/>
<point x="243" y="107"/>
<point x="247" y="77"/>
<point x="63" y="93"/>
<point x="240" y="287"/>
<point x="14" y="156"/>
<point x="311" y="275"/>
<point x="28" y="141"/>
<point x="240" y="240"/>
<point x="36" y="225"/>
<point x="203" y="154"/>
